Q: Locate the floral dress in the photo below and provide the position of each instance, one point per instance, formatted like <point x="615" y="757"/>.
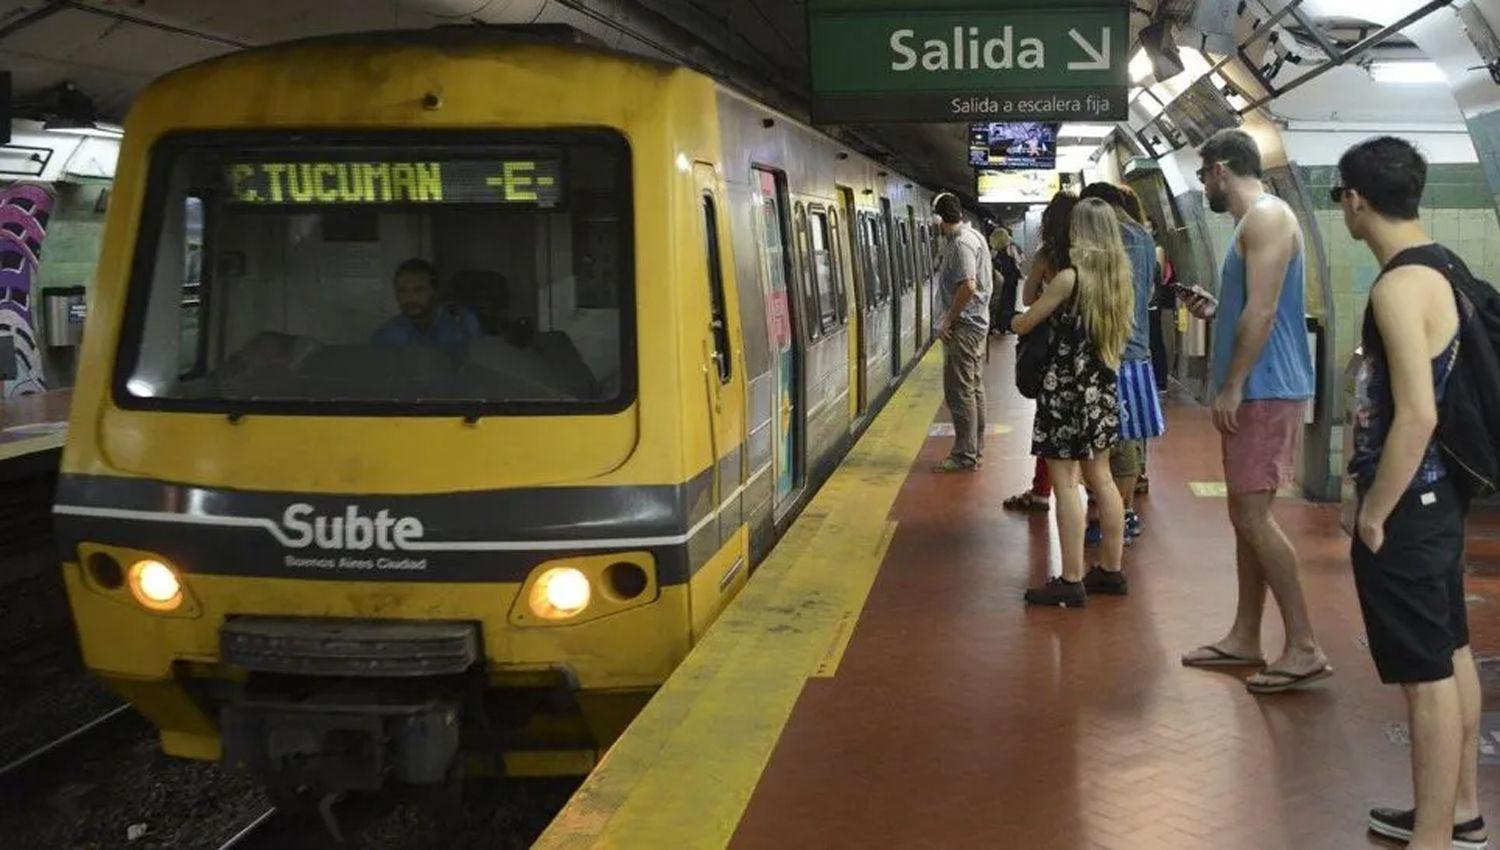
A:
<point x="1077" y="410"/>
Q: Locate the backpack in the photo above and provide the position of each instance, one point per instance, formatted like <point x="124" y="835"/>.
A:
<point x="1468" y="430"/>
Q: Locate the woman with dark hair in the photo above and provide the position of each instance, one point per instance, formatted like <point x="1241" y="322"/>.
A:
<point x="1050" y="258"/>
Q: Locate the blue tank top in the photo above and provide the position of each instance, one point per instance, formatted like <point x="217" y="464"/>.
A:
<point x="1285" y="367"/>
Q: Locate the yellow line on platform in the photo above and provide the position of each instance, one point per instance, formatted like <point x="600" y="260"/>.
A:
<point x="682" y="774"/>
<point x="32" y="445"/>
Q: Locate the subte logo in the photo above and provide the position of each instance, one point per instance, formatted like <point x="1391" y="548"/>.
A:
<point x="352" y="531"/>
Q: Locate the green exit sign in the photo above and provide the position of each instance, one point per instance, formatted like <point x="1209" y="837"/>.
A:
<point x="968" y="60"/>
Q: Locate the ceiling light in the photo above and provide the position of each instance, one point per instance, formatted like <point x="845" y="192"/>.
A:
<point x="1407" y="72"/>
<point x="96" y="130"/>
<point x="1140" y="66"/>
<point x="1086" y="131"/>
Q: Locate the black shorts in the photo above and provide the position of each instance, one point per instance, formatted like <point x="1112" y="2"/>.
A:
<point x="1412" y="592"/>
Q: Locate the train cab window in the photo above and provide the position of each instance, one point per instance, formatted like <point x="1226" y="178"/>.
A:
<point x="190" y="349"/>
<point x="823" y="270"/>
<point x="719" y="322"/>
<point x="422" y="274"/>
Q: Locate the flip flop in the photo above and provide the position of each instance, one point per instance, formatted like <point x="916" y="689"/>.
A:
<point x="1288" y="681"/>
<point x="1220" y="658"/>
<point x="1028" y="501"/>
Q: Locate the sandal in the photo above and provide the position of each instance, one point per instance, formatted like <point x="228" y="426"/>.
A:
<point x="1284" y="681"/>
<point x="1221" y="658"/>
<point x="1027" y="501"/>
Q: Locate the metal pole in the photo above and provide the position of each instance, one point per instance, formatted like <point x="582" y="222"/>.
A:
<point x="1352" y="53"/>
<point x="1259" y="32"/>
<point x="1317" y="33"/>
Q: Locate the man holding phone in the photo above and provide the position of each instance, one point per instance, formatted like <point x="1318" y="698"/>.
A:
<point x="1263" y="380"/>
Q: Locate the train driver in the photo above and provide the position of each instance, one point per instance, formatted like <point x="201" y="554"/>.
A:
<point x="424" y="320"/>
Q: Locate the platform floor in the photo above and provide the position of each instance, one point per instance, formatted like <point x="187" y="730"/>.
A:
<point x="33" y="424"/>
<point x="956" y="717"/>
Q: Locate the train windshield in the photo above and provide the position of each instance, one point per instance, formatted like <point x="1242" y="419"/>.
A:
<point x="419" y="273"/>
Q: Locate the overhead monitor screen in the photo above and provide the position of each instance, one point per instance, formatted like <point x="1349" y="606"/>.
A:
<point x="1017" y="187"/>
<point x="1019" y="145"/>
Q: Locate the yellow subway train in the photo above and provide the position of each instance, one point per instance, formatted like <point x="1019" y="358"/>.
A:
<point x="440" y="389"/>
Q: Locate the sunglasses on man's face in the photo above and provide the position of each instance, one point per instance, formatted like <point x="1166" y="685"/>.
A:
<point x="1206" y="170"/>
<point x="1336" y="194"/>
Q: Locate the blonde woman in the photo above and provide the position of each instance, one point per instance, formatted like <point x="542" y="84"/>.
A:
<point x="1090" y="308"/>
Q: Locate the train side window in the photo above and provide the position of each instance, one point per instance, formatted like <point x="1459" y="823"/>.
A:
<point x="871" y="246"/>
<point x="880" y="242"/>
<point x="837" y="243"/>
<point x="903" y="257"/>
<point x="805" y="273"/>
<point x="822" y="270"/>
<point x="720" y="319"/>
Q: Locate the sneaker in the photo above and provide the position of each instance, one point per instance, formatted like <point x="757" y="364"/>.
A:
<point x="1133" y="524"/>
<point x="951" y="464"/>
<point x="1396" y="823"/>
<point x="1094" y="534"/>
<point x="1058" y="591"/>
<point x="1107" y="582"/>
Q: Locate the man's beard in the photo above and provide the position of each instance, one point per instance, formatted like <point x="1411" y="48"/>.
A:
<point x="1219" y="202"/>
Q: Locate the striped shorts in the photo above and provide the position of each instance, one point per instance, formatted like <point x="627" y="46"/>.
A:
<point x="1140" y="409"/>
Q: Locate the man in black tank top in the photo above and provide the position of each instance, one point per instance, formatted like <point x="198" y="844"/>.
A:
<point x="1409" y="540"/>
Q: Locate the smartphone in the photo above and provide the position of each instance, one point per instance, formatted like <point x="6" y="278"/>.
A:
<point x="1196" y="291"/>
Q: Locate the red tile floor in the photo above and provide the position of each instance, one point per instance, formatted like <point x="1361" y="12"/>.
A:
<point x="959" y="718"/>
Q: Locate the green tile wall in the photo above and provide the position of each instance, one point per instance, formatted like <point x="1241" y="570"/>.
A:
<point x="1485" y="131"/>
<point x="70" y="255"/>
<point x="1458" y="210"/>
<point x="71" y="252"/>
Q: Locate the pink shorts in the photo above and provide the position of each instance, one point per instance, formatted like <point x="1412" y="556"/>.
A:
<point x="1259" y="457"/>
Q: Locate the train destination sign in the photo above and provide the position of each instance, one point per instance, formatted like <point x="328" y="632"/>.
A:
<point x="968" y="60"/>
<point x="513" y="181"/>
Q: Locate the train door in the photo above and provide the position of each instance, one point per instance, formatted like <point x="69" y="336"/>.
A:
<point x="908" y="288"/>
<point x="723" y="377"/>
<point x="847" y="239"/>
<point x="878" y="276"/>
<point x="924" y="285"/>
<point x="892" y="252"/>
<point x="786" y="389"/>
<point x="914" y="262"/>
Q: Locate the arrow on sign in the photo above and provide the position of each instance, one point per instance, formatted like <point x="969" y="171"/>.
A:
<point x="1100" y="60"/>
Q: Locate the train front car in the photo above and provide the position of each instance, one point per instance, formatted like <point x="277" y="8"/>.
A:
<point x="393" y="451"/>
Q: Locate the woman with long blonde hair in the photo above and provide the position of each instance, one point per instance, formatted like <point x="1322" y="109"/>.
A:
<point x="1089" y="306"/>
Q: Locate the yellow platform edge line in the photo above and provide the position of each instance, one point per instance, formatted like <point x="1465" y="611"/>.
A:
<point x="828" y="665"/>
<point x="683" y="773"/>
<point x="32" y="445"/>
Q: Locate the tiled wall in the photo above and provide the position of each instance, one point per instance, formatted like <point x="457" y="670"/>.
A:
<point x="1457" y="209"/>
<point x="69" y="257"/>
<point x="1484" y="130"/>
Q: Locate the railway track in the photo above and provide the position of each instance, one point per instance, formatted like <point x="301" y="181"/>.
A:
<point x="17" y="767"/>
<point x="246" y="838"/>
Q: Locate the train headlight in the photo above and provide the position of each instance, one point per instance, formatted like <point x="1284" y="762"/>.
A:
<point x="560" y="593"/>
<point x="155" y="585"/>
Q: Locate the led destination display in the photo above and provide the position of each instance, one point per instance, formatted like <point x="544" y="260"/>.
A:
<point x="513" y="181"/>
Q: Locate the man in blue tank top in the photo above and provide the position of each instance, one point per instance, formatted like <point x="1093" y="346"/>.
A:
<point x="1263" y="379"/>
<point x="1409" y="543"/>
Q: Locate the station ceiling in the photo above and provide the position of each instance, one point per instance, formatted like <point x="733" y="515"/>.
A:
<point x="110" y="49"/>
